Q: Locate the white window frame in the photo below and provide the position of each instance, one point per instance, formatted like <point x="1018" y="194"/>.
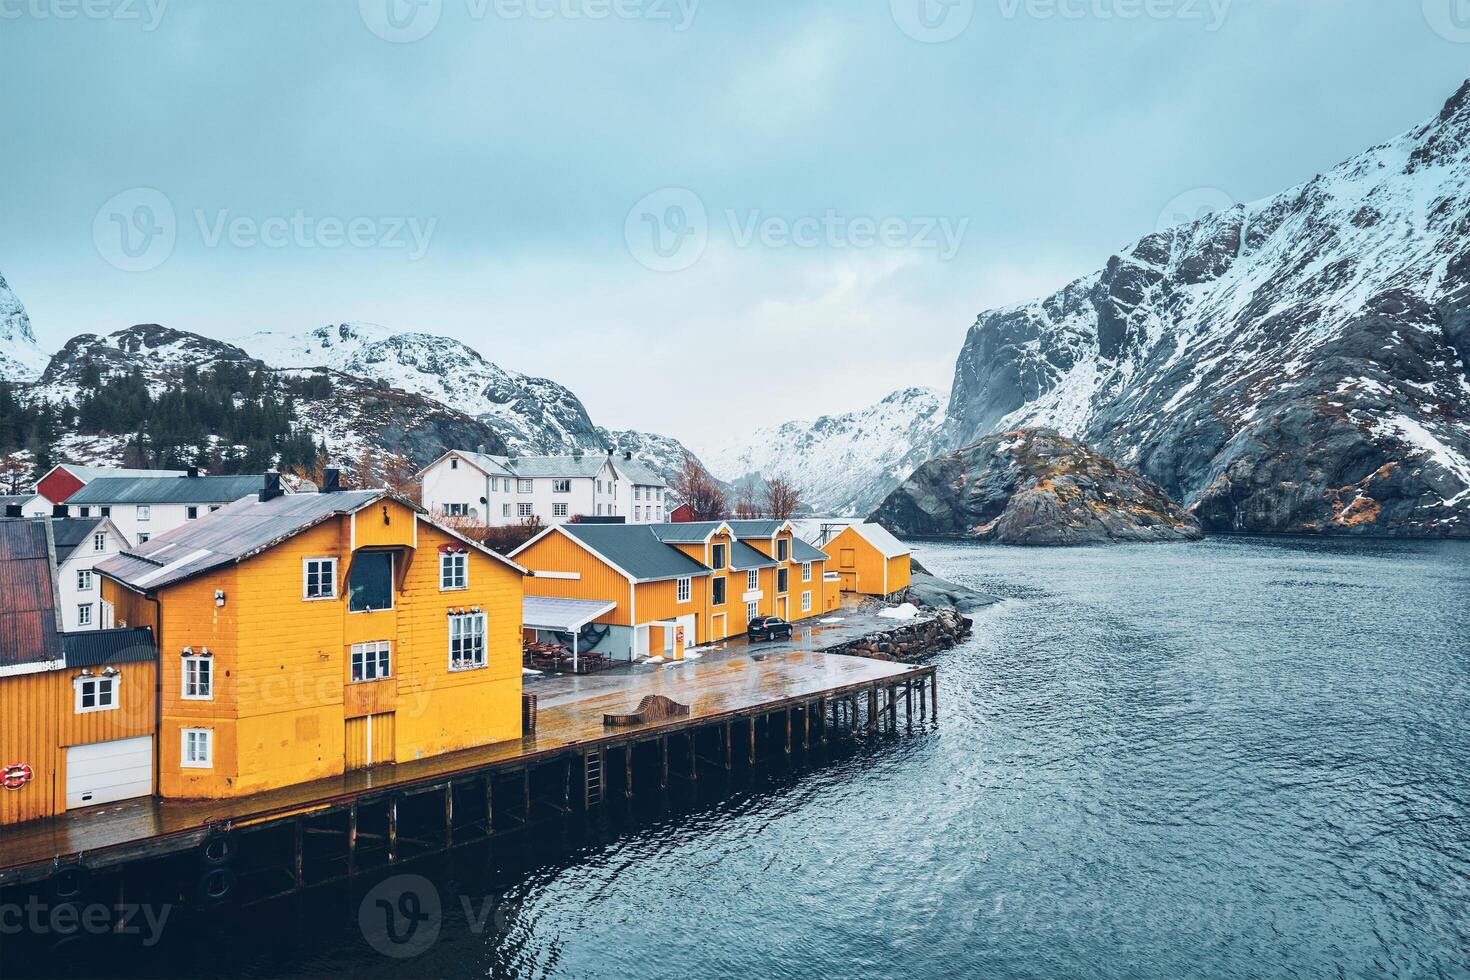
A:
<point x="453" y="464"/>
<point x="99" y="542"/>
<point x="200" y="737"/>
<point x="806" y="571"/>
<point x="84" y="614"/>
<point x="144" y="537"/>
<point x="459" y="577"/>
<point x="197" y="672"/>
<point x="561" y="486"/>
<point x="752" y="580"/>
<point x="306" y="564"/>
<point x="84" y="512"/>
<point x="456" y="510"/>
<point x="467" y="637"/>
<point x="84" y="580"/>
<point x="505" y="510"/>
<point x="559" y="510"/>
<point x="779" y="573"/>
<point x="525" y="510"/>
<point x="97" y="684"/>
<point x="726" y="598"/>
<point x="752" y="610"/>
<point x="723" y="559"/>
<point x="145" y="512"/>
<point x="806" y="602"/>
<point x="525" y="486"/>
<point x="392" y="589"/>
<point x="377" y="655"/>
<point x="783" y="549"/>
<point x="684" y="590"/>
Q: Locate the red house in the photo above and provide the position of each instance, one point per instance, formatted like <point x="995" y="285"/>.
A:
<point x="682" y="514"/>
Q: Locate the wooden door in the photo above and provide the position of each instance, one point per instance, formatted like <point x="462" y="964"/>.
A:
<point x="370" y="740"/>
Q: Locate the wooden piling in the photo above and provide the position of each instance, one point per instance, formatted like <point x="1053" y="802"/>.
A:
<point x="392" y="830"/>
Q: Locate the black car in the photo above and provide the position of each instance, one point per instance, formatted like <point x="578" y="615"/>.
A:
<point x="768" y="628"/>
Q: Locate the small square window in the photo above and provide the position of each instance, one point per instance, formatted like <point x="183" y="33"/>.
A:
<point x="524" y="510"/>
<point x="96" y="694"/>
<point x="371" y="661"/>
<point x="191" y="513"/>
<point x="99" y="542"/>
<point x="454" y="570"/>
<point x="198" y="748"/>
<point x="145" y="512"/>
<point x="143" y="537"/>
<point x="523" y="486"/>
<point x="84" y="580"/>
<point x="84" y="512"/>
<point x="561" y="486"/>
<point x="84" y="614"/>
<point x="319" y="578"/>
<point x="198" y="678"/>
<point x="105" y="511"/>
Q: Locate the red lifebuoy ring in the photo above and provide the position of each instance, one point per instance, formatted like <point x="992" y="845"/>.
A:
<point x="15" y="776"/>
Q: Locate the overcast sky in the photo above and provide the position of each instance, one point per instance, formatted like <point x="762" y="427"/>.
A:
<point x="698" y="216"/>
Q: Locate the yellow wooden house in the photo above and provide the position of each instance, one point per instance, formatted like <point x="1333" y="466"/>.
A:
<point x="868" y="560"/>
<point x="304" y="635"/>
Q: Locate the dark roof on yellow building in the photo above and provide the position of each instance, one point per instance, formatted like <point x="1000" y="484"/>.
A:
<point x="632" y="548"/>
<point x="30" y="632"/>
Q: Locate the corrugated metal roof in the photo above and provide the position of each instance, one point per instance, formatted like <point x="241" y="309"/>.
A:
<point x="743" y="558"/>
<point x="230" y="534"/>
<point x="691" y="532"/>
<point x="71" y="532"/>
<point x="755" y="529"/>
<point x="636" y="473"/>
<point x="586" y="467"/>
<point x="636" y="549"/>
<point x="29" y="632"/>
<point x="879" y="537"/>
<point x="17" y="500"/>
<point x="99" y="648"/>
<point x="177" y="490"/>
<point x="801" y="551"/>
<point x="173" y="490"/>
<point x="88" y="473"/>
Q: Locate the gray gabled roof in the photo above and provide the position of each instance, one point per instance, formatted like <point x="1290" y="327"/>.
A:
<point x="71" y="532"/>
<point x="16" y="500"/>
<point x="691" y="532"/>
<point x="175" y="490"/>
<point x="879" y="537"/>
<point x="492" y="465"/>
<point x="634" y="549"/>
<point x="743" y="558"/>
<point x="586" y="466"/>
<point x="756" y="528"/>
<point x="803" y="551"/>
<point x="636" y="473"/>
<point x="88" y="473"/>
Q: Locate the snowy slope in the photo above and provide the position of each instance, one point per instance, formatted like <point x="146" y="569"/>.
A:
<point x="21" y="358"/>
<point x="1293" y="364"/>
<point x="531" y="415"/>
<point x="842" y="464"/>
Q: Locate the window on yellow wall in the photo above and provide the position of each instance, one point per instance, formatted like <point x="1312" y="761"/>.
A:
<point x="370" y="583"/>
<point x="806" y="571"/>
<point x="685" y="587"/>
<point x="96" y="694"/>
<point x="717" y="557"/>
<point x="752" y="580"/>
<point x="319" y="578"/>
<point x="371" y="661"/>
<point x="717" y="592"/>
<point x="198" y="678"/>
<point x="806" y="602"/>
<point x="783" y="576"/>
<point x="466" y="641"/>
<point x="454" y="570"/>
<point x="783" y="549"/>
<point x="197" y="750"/>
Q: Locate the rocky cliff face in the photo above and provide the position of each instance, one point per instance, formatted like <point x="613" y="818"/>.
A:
<point x="20" y="357"/>
<point x="1033" y="487"/>
<point x="1297" y="364"/>
<point x="842" y="464"/>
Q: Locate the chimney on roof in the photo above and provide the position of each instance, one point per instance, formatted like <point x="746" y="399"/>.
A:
<point x="577" y="453"/>
<point x="628" y="456"/>
<point x="193" y="473"/>
<point x="272" y="488"/>
<point x="331" y="480"/>
<point x="58" y="510"/>
<point x="14" y="510"/>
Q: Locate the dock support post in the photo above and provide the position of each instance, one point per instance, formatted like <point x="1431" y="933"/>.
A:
<point x="628" y="770"/>
<point x="752" y="739"/>
<point x="934" y="693"/>
<point x="489" y="805"/>
<point x="693" y="758"/>
<point x="298" y="866"/>
<point x="352" y="840"/>
<point x="526" y="794"/>
<point x="908" y="705"/>
<point x="806" y="725"/>
<point x="893" y="708"/>
<point x="923" y="701"/>
<point x="566" y="786"/>
<point x="393" y="830"/>
<point x="449" y="815"/>
<point x="788" y="730"/>
<point x="822" y="714"/>
<point x="663" y="748"/>
<point x="873" y="709"/>
<point x="729" y="747"/>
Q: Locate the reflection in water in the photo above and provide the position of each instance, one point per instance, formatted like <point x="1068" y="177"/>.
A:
<point x="1243" y="757"/>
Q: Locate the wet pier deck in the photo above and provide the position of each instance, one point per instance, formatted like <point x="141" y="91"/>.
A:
<point x="737" y="686"/>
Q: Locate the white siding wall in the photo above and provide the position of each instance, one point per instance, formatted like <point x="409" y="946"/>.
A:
<point x="84" y="558"/>
<point x="606" y="495"/>
<point x="161" y="517"/>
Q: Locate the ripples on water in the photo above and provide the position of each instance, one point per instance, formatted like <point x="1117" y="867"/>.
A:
<point x="1236" y="758"/>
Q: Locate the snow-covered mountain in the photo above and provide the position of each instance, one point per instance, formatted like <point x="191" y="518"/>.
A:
<point x="662" y="454"/>
<point x="1296" y="364"/>
<point x="842" y="464"/>
<point x="21" y="358"/>
<point x="531" y="415"/>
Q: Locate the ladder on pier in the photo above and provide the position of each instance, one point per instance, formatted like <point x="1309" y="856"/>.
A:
<point x="592" y="776"/>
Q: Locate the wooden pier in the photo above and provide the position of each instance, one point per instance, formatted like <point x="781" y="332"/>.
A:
<point x="743" y="710"/>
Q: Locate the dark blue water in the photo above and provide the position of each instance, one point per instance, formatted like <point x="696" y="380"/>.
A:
<point x="1238" y="758"/>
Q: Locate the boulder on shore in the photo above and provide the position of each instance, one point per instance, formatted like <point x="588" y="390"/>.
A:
<point x="1033" y="487"/>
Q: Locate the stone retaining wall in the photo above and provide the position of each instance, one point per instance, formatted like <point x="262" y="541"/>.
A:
<point x="909" y="642"/>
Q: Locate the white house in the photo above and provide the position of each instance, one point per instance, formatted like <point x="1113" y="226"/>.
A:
<point x="500" y="490"/>
<point x="26" y="505"/>
<point x="80" y="545"/>
<point x="141" y="507"/>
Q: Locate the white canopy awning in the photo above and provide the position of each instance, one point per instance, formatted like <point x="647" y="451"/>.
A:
<point x="563" y="615"/>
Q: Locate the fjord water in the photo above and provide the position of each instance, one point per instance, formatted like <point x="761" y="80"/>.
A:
<point x="1241" y="758"/>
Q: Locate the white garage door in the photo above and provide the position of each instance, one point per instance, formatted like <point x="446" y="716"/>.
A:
<point x="108" y="771"/>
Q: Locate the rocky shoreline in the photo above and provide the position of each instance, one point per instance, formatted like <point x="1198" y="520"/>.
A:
<point x="912" y="641"/>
